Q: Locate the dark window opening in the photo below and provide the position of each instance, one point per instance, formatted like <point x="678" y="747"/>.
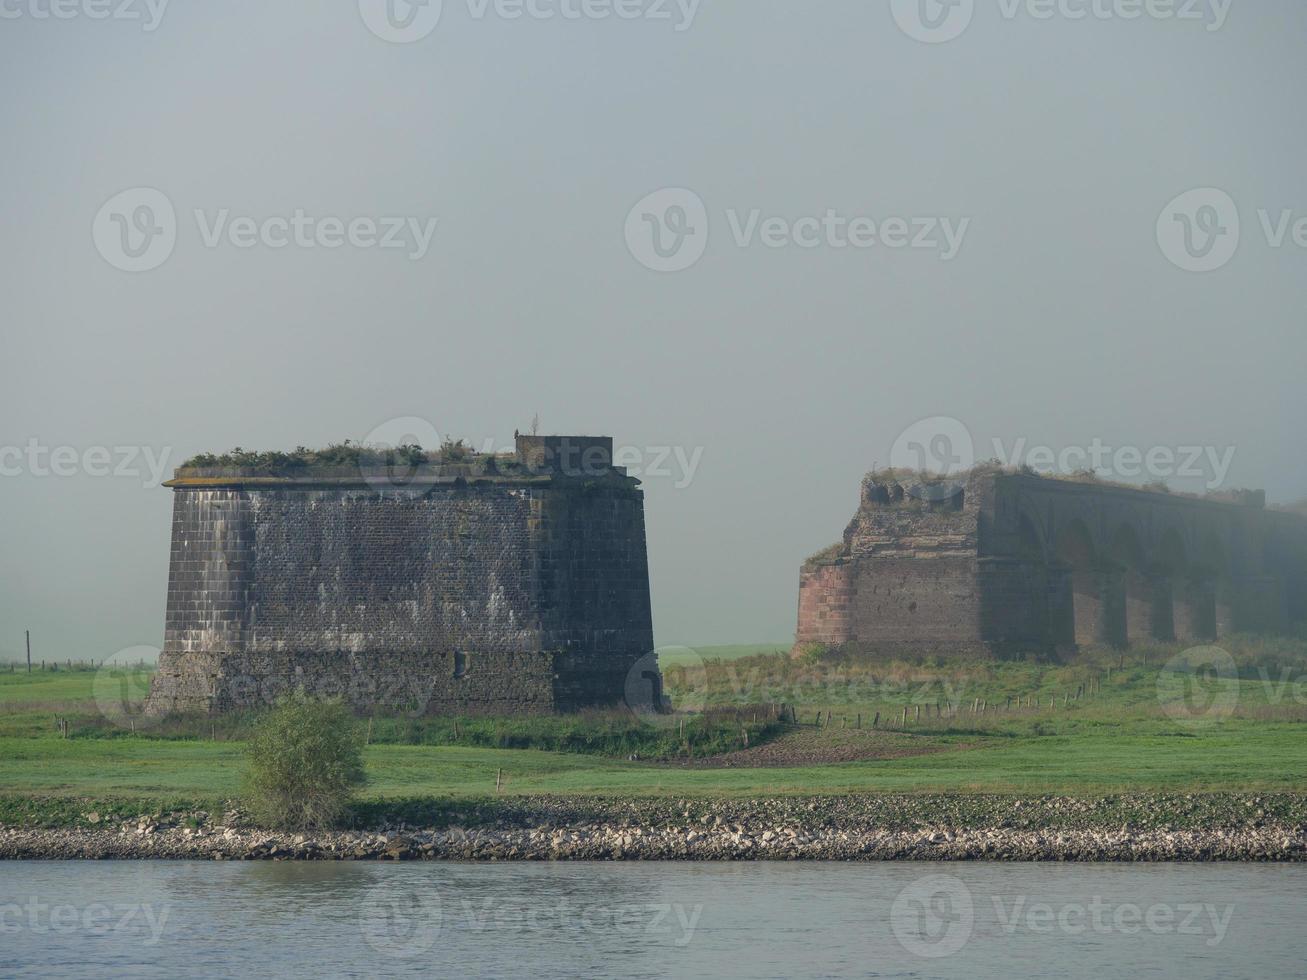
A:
<point x="460" y="664"/>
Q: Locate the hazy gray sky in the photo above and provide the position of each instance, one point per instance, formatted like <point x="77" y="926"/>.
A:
<point x="1058" y="313"/>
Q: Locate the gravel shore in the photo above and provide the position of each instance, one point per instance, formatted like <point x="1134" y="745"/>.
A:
<point x="634" y="843"/>
<point x="1188" y="828"/>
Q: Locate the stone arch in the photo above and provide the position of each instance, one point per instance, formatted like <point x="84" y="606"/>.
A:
<point x="1212" y="559"/>
<point x="1030" y="542"/>
<point x="1075" y="545"/>
<point x="1202" y="599"/>
<point x="1030" y="621"/>
<point x="1170" y="567"/>
<point x="1081" y="609"/>
<point x="1278" y="597"/>
<point x="1172" y="556"/>
<point x="1126" y="547"/>
<point x="1132" y="581"/>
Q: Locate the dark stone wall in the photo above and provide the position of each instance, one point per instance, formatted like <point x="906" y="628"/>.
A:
<point x="1019" y="606"/>
<point x="594" y="584"/>
<point x="355" y="571"/>
<point x="405" y="683"/>
<point x="211" y="571"/>
<point x="513" y="595"/>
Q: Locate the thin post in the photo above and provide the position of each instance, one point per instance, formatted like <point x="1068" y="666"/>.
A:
<point x="499" y="780"/>
<point x="29" y="651"/>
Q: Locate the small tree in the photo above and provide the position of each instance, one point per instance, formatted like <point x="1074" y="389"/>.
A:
<point x="306" y="759"/>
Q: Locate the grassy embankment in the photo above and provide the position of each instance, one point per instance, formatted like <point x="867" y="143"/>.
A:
<point x="1130" y="729"/>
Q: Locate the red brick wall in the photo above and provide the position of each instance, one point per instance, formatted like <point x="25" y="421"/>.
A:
<point x="825" y="595"/>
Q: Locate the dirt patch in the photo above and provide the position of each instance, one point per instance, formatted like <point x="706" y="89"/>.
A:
<point x="810" y="747"/>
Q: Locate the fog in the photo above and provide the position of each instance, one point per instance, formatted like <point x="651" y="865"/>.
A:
<point x="758" y="243"/>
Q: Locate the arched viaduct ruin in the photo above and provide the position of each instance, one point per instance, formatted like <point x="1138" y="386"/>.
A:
<point x="1005" y="563"/>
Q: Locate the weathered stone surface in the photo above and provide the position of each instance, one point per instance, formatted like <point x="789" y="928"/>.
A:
<point x="1012" y="563"/>
<point x="519" y="593"/>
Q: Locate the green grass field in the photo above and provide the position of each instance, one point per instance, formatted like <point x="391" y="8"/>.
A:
<point x="1105" y="724"/>
<point x="1238" y="759"/>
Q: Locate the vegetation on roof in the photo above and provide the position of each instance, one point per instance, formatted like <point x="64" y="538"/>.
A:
<point x="908" y="476"/>
<point x="829" y="553"/>
<point x="342" y="454"/>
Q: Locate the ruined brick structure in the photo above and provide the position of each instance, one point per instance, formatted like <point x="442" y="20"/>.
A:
<point x="509" y="584"/>
<point x="1005" y="563"/>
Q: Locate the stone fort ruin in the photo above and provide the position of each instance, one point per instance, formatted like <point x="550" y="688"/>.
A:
<point x="420" y="582"/>
<point x="1005" y="563"/>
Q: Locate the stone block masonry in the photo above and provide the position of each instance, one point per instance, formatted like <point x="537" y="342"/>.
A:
<point x="1007" y="563"/>
<point x="490" y="585"/>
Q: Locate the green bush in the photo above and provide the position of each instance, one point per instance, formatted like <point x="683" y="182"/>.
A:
<point x="306" y="759"/>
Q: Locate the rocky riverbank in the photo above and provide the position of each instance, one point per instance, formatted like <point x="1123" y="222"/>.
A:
<point x="855" y="828"/>
<point x="589" y="842"/>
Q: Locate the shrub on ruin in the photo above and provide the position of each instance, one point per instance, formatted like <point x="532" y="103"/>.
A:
<point x="455" y="451"/>
<point x="305" y="761"/>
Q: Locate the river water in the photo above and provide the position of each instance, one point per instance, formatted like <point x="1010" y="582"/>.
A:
<point x="148" y="919"/>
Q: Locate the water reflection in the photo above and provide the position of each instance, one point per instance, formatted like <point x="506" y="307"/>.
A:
<point x="646" y="920"/>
